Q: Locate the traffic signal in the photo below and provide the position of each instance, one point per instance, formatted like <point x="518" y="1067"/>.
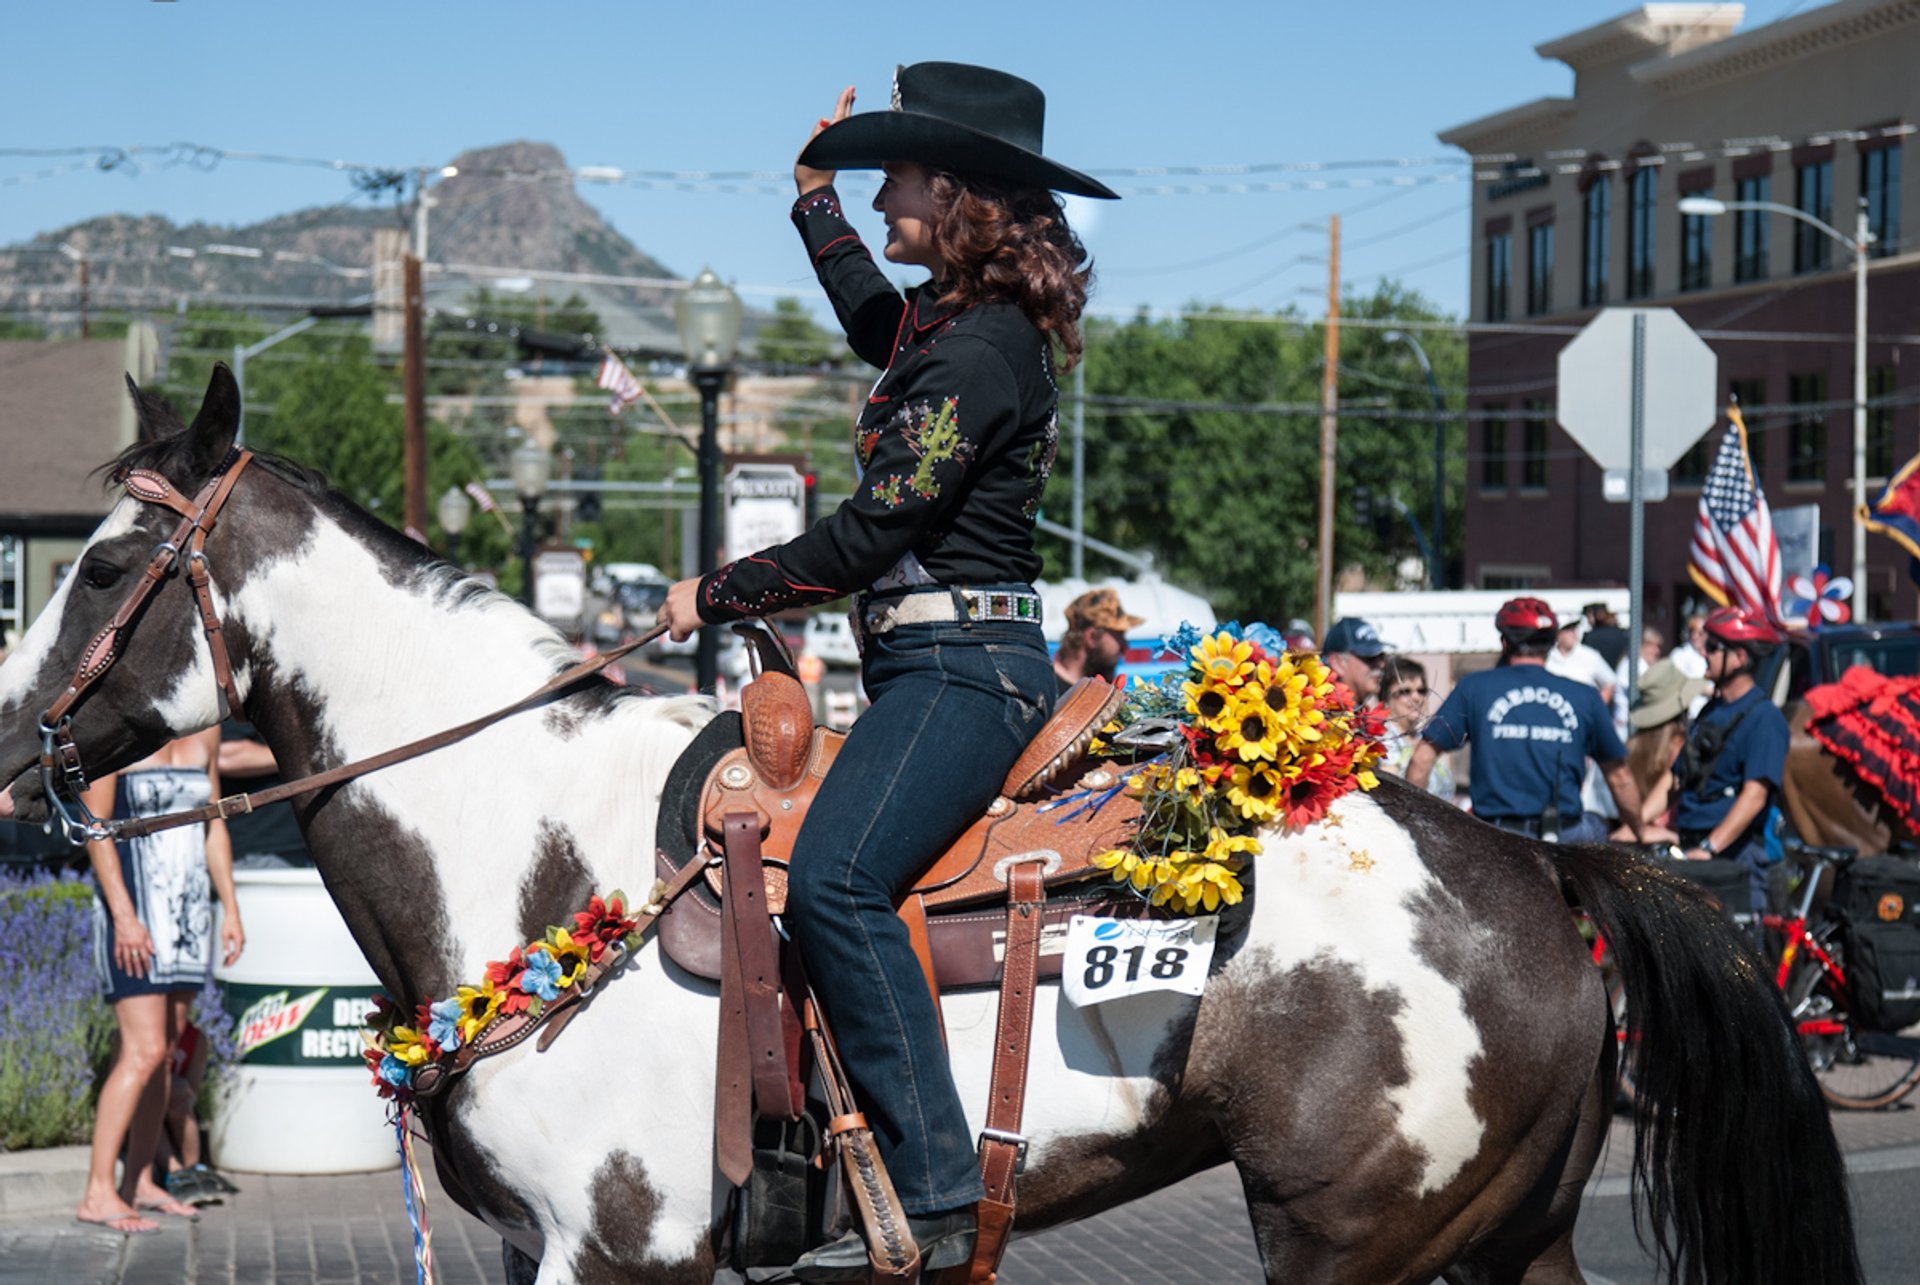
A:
<point x="1363" y="505"/>
<point x="586" y="506"/>
<point x="811" y="511"/>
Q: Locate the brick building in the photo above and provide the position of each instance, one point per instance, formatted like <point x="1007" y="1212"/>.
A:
<point x="1577" y="209"/>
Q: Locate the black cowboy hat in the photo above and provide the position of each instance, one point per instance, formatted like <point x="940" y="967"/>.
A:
<point x="948" y="115"/>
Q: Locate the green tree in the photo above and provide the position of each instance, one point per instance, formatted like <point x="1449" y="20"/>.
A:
<point x="791" y="338"/>
<point x="1227" y="499"/>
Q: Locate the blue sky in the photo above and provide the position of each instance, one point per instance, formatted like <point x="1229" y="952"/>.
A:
<point x="738" y="86"/>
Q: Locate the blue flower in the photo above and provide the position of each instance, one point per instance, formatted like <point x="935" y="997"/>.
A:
<point x="394" y="1071"/>
<point x="1181" y="641"/>
<point x="1265" y="637"/>
<point x="542" y="977"/>
<point x="445" y="1026"/>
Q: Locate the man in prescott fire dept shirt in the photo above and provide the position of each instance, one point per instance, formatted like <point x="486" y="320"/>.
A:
<point x="1532" y="733"/>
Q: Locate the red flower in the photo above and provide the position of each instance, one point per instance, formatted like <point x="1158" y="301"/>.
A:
<point x="505" y="976"/>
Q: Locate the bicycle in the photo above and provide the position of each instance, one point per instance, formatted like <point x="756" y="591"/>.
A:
<point x="1857" y="1069"/>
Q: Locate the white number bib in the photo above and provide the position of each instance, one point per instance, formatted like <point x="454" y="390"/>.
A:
<point x="1108" y="958"/>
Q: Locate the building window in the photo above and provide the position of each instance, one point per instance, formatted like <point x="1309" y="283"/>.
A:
<point x="1539" y="269"/>
<point x="1691" y="469"/>
<point x="1640" y="212"/>
<point x="1533" y="449"/>
<point x="1696" y="248"/>
<point x="12" y="606"/>
<point x="1880" y="188"/>
<point x="1595" y="209"/>
<point x="1750" y="230"/>
<point x="1751" y="394"/>
<point x="1499" y="270"/>
<point x="1807" y="431"/>
<point x="1813" y="194"/>
<point x="1879" y="423"/>
<point x="1493" y="448"/>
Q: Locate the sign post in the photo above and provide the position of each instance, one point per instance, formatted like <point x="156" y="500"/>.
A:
<point x="1637" y="388"/>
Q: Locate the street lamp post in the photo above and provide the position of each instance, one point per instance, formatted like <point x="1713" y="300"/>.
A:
<point x="708" y="317"/>
<point x="530" y="466"/>
<point x="1436" y="542"/>
<point x="454" y="509"/>
<point x="1862" y="238"/>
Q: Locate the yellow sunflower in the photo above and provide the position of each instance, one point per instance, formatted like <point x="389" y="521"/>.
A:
<point x="1226" y="848"/>
<point x="1292" y="695"/>
<point x="1224" y="660"/>
<point x="1210" y="703"/>
<point x="1255" y="731"/>
<point x="1129" y="866"/>
<point x="1254" y="791"/>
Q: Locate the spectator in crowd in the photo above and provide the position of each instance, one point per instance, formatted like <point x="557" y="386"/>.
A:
<point x="1604" y="633"/>
<point x="1690" y="656"/>
<point x="1404" y="680"/>
<point x="153" y="935"/>
<point x="1658" y="722"/>
<point x="1571" y="658"/>
<point x="1353" y="651"/>
<point x="1532" y="733"/>
<point x="1096" y="639"/>
<point x="1731" y="768"/>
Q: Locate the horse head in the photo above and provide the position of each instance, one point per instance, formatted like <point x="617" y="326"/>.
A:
<point x="161" y="682"/>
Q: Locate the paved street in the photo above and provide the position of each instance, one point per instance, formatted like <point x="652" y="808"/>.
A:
<point x="332" y="1231"/>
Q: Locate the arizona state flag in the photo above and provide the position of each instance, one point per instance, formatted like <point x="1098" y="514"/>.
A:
<point x="1896" y="514"/>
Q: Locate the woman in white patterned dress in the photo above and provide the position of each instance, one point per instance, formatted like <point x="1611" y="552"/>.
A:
<point x="153" y="937"/>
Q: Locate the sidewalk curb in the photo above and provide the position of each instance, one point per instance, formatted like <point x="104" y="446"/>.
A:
<point x="42" y="1181"/>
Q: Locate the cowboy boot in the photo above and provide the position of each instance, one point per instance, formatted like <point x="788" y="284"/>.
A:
<point x="945" y="1240"/>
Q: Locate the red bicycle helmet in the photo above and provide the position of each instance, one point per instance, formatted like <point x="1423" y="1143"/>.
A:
<point x="1740" y="627"/>
<point x="1521" y="619"/>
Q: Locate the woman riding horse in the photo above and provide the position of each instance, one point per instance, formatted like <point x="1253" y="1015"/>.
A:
<point x="954" y="447"/>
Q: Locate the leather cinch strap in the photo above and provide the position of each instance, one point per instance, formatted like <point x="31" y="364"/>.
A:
<point x="1002" y="1148"/>
<point x="753" y="1044"/>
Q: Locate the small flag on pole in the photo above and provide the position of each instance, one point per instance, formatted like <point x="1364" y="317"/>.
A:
<point x="618" y="380"/>
<point x="483" y="500"/>
<point x="1734" y="557"/>
<point x="1896" y="514"/>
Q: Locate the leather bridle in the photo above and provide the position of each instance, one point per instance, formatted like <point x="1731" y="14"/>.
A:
<point x="59" y="756"/>
<point x="60" y="764"/>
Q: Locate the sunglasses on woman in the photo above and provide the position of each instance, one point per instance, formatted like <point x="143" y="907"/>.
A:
<point x="1399" y="692"/>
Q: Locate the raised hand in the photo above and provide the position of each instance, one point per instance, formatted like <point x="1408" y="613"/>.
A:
<point x="805" y="177"/>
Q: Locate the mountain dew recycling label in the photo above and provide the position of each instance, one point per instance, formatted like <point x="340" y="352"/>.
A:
<point x="299" y="1025"/>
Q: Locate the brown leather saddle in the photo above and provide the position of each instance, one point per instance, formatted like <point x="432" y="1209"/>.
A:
<point x="979" y="915"/>
<point x="955" y="909"/>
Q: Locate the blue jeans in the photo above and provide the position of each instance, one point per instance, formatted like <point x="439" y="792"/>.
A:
<point x="953" y="706"/>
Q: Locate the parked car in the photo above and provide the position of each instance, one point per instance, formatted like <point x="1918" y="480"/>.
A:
<point x="1815" y="656"/>
<point x="829" y="635"/>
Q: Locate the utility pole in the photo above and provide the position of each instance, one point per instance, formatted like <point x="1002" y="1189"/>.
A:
<point x="414" y="442"/>
<point x="1329" y="431"/>
<point x="86" y="328"/>
<point x="1080" y="467"/>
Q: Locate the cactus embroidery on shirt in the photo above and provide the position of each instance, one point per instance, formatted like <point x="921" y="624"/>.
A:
<point x="935" y="437"/>
<point x="1039" y="464"/>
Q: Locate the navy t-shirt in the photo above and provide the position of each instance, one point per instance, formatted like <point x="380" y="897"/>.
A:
<point x="1532" y="735"/>
<point x="1756" y="750"/>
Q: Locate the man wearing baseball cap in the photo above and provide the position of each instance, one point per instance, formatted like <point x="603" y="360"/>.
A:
<point x="1096" y="637"/>
<point x="1355" y="654"/>
<point x="1532" y="733"/>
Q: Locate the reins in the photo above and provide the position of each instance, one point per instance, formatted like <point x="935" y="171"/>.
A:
<point x="60" y="756"/>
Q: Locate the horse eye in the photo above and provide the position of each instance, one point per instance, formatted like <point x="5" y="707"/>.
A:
<point x="102" y="575"/>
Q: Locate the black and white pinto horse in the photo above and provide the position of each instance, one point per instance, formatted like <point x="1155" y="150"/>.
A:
<point x="1408" y="1056"/>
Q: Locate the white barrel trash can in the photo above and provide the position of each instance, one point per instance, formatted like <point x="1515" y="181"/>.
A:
<point x="300" y="1100"/>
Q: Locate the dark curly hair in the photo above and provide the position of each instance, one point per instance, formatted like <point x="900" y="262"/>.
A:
<point x="1009" y="244"/>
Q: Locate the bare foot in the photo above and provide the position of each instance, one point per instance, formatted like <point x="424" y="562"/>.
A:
<point x="115" y="1215"/>
<point x="154" y="1198"/>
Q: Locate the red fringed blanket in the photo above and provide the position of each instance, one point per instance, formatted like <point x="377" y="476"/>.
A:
<point x="1873" y="722"/>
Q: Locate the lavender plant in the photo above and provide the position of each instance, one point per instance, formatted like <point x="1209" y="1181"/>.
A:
<point x="54" y="1027"/>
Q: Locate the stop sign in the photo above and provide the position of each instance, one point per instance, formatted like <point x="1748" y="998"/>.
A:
<point x="1596" y="388"/>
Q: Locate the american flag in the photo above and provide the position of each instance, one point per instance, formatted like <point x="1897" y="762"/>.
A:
<point x="1734" y="558"/>
<point x="618" y="380"/>
<point x="483" y="498"/>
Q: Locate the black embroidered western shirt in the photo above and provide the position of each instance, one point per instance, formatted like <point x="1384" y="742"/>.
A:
<point x="954" y="444"/>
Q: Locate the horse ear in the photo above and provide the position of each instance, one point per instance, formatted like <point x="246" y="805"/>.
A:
<point x="154" y="414"/>
<point x="218" y="423"/>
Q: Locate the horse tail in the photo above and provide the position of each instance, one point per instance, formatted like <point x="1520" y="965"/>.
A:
<point x="1734" y="1160"/>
